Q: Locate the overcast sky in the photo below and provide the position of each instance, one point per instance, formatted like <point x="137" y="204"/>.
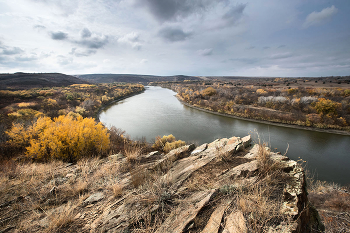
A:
<point x="169" y="37"/>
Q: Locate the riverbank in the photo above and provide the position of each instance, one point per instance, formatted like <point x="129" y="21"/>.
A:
<point x="266" y="122"/>
<point x="109" y="104"/>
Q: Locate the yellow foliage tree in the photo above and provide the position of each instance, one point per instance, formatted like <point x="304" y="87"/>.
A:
<point x="326" y="106"/>
<point x="64" y="138"/>
<point x="261" y="92"/>
<point x="208" y="91"/>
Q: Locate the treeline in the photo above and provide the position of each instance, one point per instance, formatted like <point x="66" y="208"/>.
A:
<point x="58" y="123"/>
<point x="311" y="107"/>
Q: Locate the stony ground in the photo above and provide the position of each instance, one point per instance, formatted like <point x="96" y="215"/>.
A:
<point x="228" y="185"/>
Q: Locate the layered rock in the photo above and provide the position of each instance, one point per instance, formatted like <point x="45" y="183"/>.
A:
<point x="198" y="190"/>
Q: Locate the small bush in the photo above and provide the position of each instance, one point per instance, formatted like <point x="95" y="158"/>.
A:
<point x="167" y="143"/>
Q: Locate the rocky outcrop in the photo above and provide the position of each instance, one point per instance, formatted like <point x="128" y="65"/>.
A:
<point x="227" y="185"/>
<point x="199" y="188"/>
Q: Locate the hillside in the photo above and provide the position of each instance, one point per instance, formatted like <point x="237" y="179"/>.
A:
<point x="224" y="186"/>
<point x="132" y="78"/>
<point x="36" y="80"/>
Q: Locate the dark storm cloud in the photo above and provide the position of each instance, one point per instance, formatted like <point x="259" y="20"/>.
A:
<point x="167" y="10"/>
<point x="85" y="33"/>
<point x="59" y="35"/>
<point x="234" y="14"/>
<point x="173" y="34"/>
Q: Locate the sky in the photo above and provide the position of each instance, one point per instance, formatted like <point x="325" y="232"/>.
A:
<point x="278" y="38"/>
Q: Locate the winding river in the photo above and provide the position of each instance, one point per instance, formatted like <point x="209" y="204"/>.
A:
<point x="158" y="112"/>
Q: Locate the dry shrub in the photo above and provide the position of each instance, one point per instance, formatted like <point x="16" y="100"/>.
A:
<point x="260" y="206"/>
<point x="8" y="168"/>
<point x="117" y="190"/>
<point x="117" y="138"/>
<point x="80" y="187"/>
<point x="332" y="202"/>
<point x="266" y="165"/>
<point x="167" y="143"/>
<point x="133" y="152"/>
<point x="139" y="177"/>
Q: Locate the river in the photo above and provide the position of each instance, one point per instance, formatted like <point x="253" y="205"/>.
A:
<point x="158" y="112"/>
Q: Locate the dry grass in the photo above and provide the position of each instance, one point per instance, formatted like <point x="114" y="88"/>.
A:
<point x="60" y="218"/>
<point x="260" y="206"/>
<point x="132" y="152"/>
<point x="333" y="204"/>
<point x="117" y="190"/>
<point x="261" y="201"/>
<point x="139" y="177"/>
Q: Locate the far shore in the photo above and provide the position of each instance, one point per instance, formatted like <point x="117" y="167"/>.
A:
<point x="332" y="131"/>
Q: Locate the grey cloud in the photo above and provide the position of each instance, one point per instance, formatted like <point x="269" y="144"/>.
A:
<point x="167" y="10"/>
<point x="59" y="35"/>
<point x="132" y="39"/>
<point x="66" y="6"/>
<point x="280" y="56"/>
<point x="93" y="42"/>
<point x="11" y="51"/>
<point x="62" y="60"/>
<point x="26" y="58"/>
<point x="282" y="46"/>
<point x="39" y="27"/>
<point x="85" y="53"/>
<point x="245" y="60"/>
<point x="319" y="17"/>
<point x="266" y="47"/>
<point x="173" y="34"/>
<point x="85" y="33"/>
<point x="234" y="14"/>
<point x="251" y="47"/>
<point x="205" y="52"/>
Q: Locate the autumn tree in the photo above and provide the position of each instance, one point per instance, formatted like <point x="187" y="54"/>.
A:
<point x="65" y="138"/>
<point x="326" y="106"/>
<point x="208" y="91"/>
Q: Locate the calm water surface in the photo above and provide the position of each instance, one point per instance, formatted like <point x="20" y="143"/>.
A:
<point x="157" y="112"/>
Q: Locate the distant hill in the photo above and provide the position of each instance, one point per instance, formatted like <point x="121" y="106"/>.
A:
<point x="33" y="80"/>
<point x="132" y="78"/>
